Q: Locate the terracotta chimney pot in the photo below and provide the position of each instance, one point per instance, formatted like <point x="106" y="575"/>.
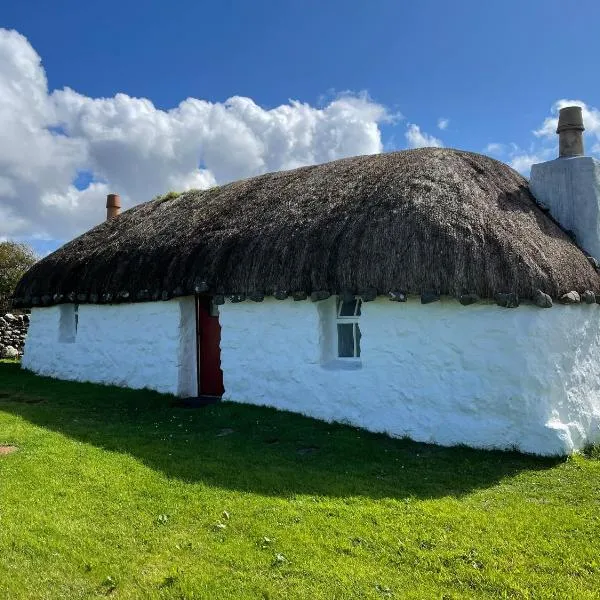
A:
<point x="113" y="206"/>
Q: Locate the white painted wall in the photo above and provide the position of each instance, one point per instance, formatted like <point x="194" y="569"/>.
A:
<point x="479" y="375"/>
<point x="570" y="188"/>
<point x="146" y="345"/>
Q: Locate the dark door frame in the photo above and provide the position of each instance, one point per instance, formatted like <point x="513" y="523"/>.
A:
<point x="203" y="302"/>
<point x="198" y="334"/>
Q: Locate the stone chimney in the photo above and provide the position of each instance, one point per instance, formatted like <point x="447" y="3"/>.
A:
<point x="569" y="186"/>
<point x="570" y="132"/>
<point x="113" y="206"/>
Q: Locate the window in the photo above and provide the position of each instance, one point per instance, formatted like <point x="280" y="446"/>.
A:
<point x="348" y="330"/>
<point x="69" y="321"/>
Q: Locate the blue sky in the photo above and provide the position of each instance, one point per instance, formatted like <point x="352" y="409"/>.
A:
<point x="493" y="69"/>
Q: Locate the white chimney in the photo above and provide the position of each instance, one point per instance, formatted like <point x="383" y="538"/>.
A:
<point x="569" y="186"/>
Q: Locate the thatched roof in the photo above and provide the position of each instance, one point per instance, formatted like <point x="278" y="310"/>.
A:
<point x="432" y="219"/>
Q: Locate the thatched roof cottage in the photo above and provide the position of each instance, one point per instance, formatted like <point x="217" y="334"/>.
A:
<point x="428" y="293"/>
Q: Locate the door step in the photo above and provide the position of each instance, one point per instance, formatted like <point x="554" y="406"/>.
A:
<point x="196" y="402"/>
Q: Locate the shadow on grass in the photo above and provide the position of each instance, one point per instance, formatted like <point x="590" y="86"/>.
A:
<point x="253" y="449"/>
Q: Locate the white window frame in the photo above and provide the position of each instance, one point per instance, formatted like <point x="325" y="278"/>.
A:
<point x="68" y="323"/>
<point x="214" y="308"/>
<point x="348" y="320"/>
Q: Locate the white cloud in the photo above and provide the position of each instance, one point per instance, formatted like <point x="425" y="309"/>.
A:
<point x="419" y="139"/>
<point x="131" y="147"/>
<point x="495" y="148"/>
<point x="523" y="162"/>
<point x="518" y="158"/>
<point x="443" y="123"/>
<point x="545" y="144"/>
<point x="591" y="119"/>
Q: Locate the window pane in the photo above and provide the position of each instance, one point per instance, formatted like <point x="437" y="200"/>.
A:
<point x="349" y="309"/>
<point x="345" y="340"/>
<point x="358" y="336"/>
<point x="67" y="327"/>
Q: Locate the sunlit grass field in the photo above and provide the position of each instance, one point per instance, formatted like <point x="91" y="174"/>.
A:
<point x="123" y="494"/>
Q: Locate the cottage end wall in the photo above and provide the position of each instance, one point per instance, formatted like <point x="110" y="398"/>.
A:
<point x="478" y="375"/>
<point x="146" y="345"/>
<point x="570" y="189"/>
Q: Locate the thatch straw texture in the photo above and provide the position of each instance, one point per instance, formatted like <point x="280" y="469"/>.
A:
<point x="438" y="220"/>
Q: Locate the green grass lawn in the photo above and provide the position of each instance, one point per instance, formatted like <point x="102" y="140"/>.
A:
<point x="119" y="493"/>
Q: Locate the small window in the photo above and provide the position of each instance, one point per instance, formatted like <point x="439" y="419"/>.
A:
<point x="348" y="330"/>
<point x="69" y="322"/>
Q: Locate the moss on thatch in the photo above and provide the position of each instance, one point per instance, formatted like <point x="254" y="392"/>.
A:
<point x="171" y="195"/>
<point x="431" y="219"/>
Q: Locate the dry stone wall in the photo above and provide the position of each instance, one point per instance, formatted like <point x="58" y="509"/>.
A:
<point x="13" y="331"/>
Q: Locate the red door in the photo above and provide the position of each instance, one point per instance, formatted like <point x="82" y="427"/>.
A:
<point x="210" y="376"/>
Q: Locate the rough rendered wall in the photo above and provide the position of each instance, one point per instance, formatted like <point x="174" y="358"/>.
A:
<point x="570" y="188"/>
<point x="477" y="375"/>
<point x="146" y="345"/>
